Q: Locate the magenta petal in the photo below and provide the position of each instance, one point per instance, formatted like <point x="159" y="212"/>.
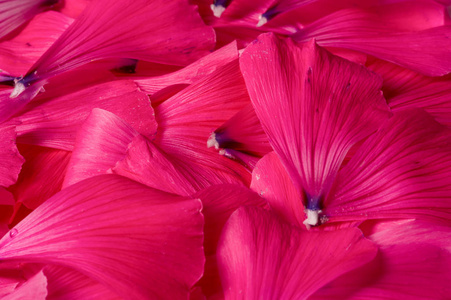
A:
<point x="192" y="72"/>
<point x="272" y="182"/>
<point x="42" y="175"/>
<point x="362" y="31"/>
<point x="15" y="13"/>
<point x="260" y="257"/>
<point x="121" y="29"/>
<point x="53" y="119"/>
<point x="313" y="112"/>
<point x="10" y="159"/>
<point x="34" y="288"/>
<point x="183" y="135"/>
<point x="18" y="54"/>
<point x="123" y="234"/>
<point x="68" y="284"/>
<point x="402" y="171"/>
<point x="101" y="142"/>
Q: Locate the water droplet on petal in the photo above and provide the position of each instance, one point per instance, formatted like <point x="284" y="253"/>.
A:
<point x="13" y="232"/>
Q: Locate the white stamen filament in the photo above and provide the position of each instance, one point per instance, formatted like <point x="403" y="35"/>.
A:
<point x="19" y="87"/>
<point x="262" y="21"/>
<point x="312" y="218"/>
<point x="217" y="10"/>
<point x="212" y="141"/>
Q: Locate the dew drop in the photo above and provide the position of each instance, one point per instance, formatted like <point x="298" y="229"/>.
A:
<point x="13" y="232"/>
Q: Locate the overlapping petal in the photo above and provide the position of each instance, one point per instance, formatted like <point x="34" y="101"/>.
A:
<point x="118" y="232"/>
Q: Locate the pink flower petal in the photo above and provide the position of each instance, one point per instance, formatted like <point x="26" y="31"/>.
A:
<point x="54" y="117"/>
<point x="123" y="234"/>
<point x="14" y="13"/>
<point x="34" y="288"/>
<point x="272" y="182"/>
<point x="241" y="138"/>
<point x="68" y="284"/>
<point x="260" y="257"/>
<point x="412" y="264"/>
<point x="10" y="159"/>
<point x="18" y="54"/>
<point x="191" y="73"/>
<point x="121" y="29"/>
<point x="41" y="177"/>
<point x="361" y="31"/>
<point x="313" y="111"/>
<point x="101" y="142"/>
<point x="402" y="171"/>
<point x="219" y="202"/>
<point x="183" y="134"/>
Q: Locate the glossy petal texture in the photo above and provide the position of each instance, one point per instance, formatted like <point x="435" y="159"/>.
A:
<point x="42" y="175"/>
<point x="15" y="13"/>
<point x="241" y="138"/>
<point x="402" y="171"/>
<point x="272" y="182"/>
<point x="260" y="257"/>
<point x="34" y="288"/>
<point x="313" y="106"/>
<point x="118" y="232"/>
<point x="18" y="54"/>
<point x="10" y="159"/>
<point x="122" y="29"/>
<point x="219" y="202"/>
<point x="187" y="119"/>
<point x="362" y="31"/>
<point x="68" y="284"/>
<point x="191" y="73"/>
<point x="413" y="263"/>
<point x="53" y="118"/>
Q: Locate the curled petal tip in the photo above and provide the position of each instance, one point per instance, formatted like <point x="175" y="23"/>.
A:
<point x="217" y="10"/>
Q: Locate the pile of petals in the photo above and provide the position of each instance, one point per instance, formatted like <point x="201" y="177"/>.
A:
<point x="226" y="149"/>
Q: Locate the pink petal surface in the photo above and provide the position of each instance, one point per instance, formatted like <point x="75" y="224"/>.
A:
<point x="118" y="232"/>
<point x="34" y="288"/>
<point x="260" y="257"/>
<point x="187" y="119"/>
<point x="413" y="263"/>
<point x="241" y="138"/>
<point x="402" y="171"/>
<point x="68" y="284"/>
<point x="361" y="31"/>
<point x="53" y="118"/>
<point x="18" y="54"/>
<point x="10" y="159"/>
<point x="121" y="29"/>
<point x="272" y="182"/>
<point x="192" y="72"/>
<point x="42" y="175"/>
<point x="13" y="13"/>
<point x="433" y="96"/>
<point x="314" y="111"/>
<point x="101" y="142"/>
<point x="219" y="202"/>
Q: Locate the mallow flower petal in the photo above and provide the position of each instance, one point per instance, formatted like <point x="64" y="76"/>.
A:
<point x="10" y="159"/>
<point x="34" y="288"/>
<point x="119" y="29"/>
<point x="360" y="30"/>
<point x="402" y="171"/>
<point x="14" y="13"/>
<point x="123" y="234"/>
<point x="313" y="106"/>
<point x="190" y="73"/>
<point x="187" y="119"/>
<point x="261" y="257"/>
<point x="53" y="118"/>
<point x="18" y="54"/>
<point x="67" y="284"/>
